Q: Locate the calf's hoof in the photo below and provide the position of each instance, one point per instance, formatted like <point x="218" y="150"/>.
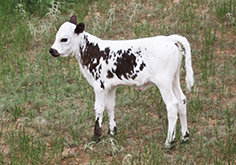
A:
<point x="114" y="132"/>
<point x="169" y="145"/>
<point x="185" y="139"/>
<point x="97" y="131"/>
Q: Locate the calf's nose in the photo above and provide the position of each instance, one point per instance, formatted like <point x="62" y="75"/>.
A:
<point x="54" y="52"/>
<point x="51" y="51"/>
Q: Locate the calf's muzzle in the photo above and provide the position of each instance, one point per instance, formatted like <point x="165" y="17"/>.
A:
<point x="54" y="52"/>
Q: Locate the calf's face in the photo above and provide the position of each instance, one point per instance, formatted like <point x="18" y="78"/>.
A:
<point x="67" y="38"/>
<point x="64" y="40"/>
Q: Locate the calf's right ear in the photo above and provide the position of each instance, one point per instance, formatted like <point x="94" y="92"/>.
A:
<point x="79" y="28"/>
<point x="73" y="19"/>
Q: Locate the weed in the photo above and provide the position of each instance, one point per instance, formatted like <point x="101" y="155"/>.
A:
<point x="17" y="112"/>
<point x="145" y="27"/>
<point x="230" y="18"/>
<point x="54" y="10"/>
<point x="20" y="8"/>
<point x="110" y="19"/>
<point x="225" y="9"/>
<point x="27" y="149"/>
<point x="126" y="159"/>
<point x="36" y="6"/>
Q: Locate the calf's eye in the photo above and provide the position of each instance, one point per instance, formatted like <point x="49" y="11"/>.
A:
<point x="64" y="40"/>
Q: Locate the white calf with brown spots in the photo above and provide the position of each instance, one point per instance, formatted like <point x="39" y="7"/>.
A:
<point x="140" y="63"/>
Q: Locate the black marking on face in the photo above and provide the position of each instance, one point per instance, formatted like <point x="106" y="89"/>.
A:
<point x="184" y="101"/>
<point x="102" y="84"/>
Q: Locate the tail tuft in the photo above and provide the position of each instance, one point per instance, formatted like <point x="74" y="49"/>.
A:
<point x="190" y="81"/>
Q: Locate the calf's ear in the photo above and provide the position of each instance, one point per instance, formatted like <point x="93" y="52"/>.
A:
<point x="73" y="19"/>
<point x="79" y="28"/>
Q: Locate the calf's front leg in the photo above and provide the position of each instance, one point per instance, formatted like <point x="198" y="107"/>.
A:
<point x="99" y="109"/>
<point x="110" y="106"/>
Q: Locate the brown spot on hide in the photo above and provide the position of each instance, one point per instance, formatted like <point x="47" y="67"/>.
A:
<point x="124" y="61"/>
<point x="142" y="66"/>
<point x="125" y="65"/>
<point x="109" y="74"/>
<point x="90" y="57"/>
<point x="177" y="44"/>
<point x="102" y="84"/>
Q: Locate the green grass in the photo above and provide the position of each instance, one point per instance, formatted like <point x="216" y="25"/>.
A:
<point x="46" y="105"/>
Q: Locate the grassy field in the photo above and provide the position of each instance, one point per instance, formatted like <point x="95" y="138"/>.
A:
<point x="46" y="105"/>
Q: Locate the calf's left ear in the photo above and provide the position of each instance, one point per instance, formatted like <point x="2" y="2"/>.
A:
<point x="79" y="28"/>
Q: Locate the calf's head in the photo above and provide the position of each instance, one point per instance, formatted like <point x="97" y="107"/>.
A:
<point x="67" y="38"/>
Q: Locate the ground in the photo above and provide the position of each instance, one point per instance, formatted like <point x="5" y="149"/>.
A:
<point x="46" y="105"/>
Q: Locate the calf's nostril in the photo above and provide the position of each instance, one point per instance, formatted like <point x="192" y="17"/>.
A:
<point x="51" y="51"/>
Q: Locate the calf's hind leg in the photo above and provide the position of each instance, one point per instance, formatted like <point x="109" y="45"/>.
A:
<point x="182" y="109"/>
<point x="172" y="110"/>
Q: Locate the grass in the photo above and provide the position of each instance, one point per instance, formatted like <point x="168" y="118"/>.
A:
<point x="46" y="106"/>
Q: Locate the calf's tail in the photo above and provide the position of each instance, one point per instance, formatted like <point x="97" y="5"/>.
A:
<point x="188" y="62"/>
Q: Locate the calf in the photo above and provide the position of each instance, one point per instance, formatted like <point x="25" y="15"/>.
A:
<point x="139" y="63"/>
